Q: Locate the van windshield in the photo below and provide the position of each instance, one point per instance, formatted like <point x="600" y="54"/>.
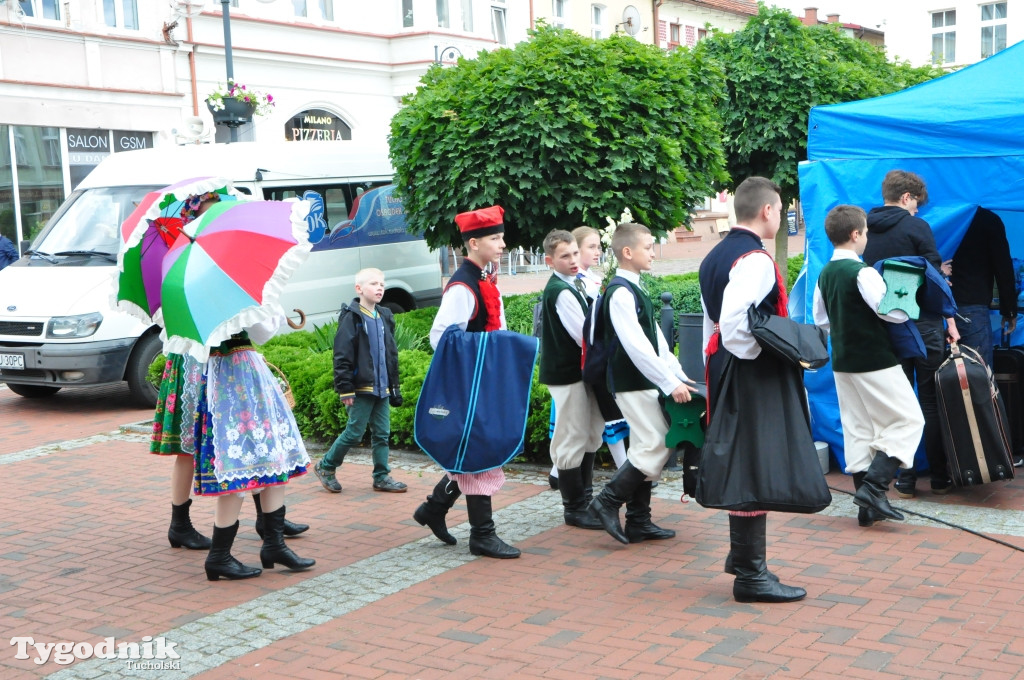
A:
<point x="88" y="222"/>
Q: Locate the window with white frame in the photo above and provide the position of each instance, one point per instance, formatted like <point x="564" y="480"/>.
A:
<point x="326" y="8"/>
<point x="121" y="14"/>
<point x="993" y="28"/>
<point x="558" y="12"/>
<point x="41" y="9"/>
<point x="443" y="20"/>
<point x="944" y="37"/>
<point x="498" y="24"/>
<point x="673" y="35"/>
<point x="467" y="16"/>
<point x="597" y="21"/>
<point x="407" y="14"/>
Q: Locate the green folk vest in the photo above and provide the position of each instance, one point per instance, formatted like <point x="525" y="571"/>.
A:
<point x="559" y="354"/>
<point x="625" y="377"/>
<point x="860" y="341"/>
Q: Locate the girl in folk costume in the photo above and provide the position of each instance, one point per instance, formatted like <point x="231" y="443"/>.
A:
<point x="735" y="275"/>
<point x="471" y="301"/>
<point x="175" y="417"/>
<point x="248" y="440"/>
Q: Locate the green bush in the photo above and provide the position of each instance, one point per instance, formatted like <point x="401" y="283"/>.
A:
<point x="793" y="267"/>
<point x="519" y="312"/>
<point x="418" y="322"/>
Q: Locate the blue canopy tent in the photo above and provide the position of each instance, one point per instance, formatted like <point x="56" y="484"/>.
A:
<point x="963" y="133"/>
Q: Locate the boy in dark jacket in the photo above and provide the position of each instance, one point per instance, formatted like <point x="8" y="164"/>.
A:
<point x="366" y="378"/>
<point x="895" y="230"/>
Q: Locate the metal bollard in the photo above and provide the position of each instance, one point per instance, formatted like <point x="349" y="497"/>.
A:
<point x="668" y="320"/>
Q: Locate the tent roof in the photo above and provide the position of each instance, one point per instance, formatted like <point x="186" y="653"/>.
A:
<point x="976" y="111"/>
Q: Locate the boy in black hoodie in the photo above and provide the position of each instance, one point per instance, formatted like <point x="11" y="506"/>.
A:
<point x="366" y="378"/>
<point x="893" y="231"/>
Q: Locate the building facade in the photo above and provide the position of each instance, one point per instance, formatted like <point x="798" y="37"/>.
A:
<point x="952" y="34"/>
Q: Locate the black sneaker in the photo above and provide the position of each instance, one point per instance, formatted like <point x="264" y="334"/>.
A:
<point x="941" y="487"/>
<point x="1018" y="460"/>
<point x="327" y="479"/>
<point x="389" y="485"/>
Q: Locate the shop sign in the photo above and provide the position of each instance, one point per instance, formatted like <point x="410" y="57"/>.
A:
<point x="314" y="125"/>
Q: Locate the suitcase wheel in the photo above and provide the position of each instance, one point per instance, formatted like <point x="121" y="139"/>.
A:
<point x="969" y="478"/>
<point x="1001" y="472"/>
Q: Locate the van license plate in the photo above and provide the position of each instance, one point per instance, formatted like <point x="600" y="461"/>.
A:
<point x="12" y="361"/>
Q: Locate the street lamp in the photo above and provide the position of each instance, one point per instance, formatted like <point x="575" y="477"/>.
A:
<point x="449" y="53"/>
<point x="440" y="55"/>
<point x="225" y="11"/>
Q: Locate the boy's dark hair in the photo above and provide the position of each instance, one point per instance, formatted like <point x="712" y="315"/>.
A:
<point x="842" y="221"/>
<point x="627" y="235"/>
<point x="752" y="194"/>
<point x="554" y="237"/>
<point x="899" y="182"/>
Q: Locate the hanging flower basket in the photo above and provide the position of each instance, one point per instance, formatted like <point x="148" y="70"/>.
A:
<point x="232" y="112"/>
<point x="235" y="104"/>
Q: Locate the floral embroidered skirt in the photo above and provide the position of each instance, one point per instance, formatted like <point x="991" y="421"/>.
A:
<point x="175" y="417"/>
<point x="247" y="436"/>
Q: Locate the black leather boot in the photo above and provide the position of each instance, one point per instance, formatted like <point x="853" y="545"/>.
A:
<point x="290" y="528"/>
<point x="731" y="570"/>
<point x="639" y="526"/>
<point x="752" y="584"/>
<point x="871" y="493"/>
<point x="274" y="550"/>
<point x="587" y="473"/>
<point x="182" y="534"/>
<point x="866" y="517"/>
<point x="615" y="494"/>
<point x="570" y="485"/>
<point x="220" y="562"/>
<point x="482" y="538"/>
<point x="439" y="502"/>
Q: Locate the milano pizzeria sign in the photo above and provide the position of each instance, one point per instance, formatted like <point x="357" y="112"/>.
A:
<point x="315" y="125"/>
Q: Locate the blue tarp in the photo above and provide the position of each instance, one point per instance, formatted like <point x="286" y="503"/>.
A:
<point x="963" y="133"/>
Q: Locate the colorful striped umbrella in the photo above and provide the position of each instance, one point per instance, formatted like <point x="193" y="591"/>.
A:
<point x="226" y="271"/>
<point x="146" y="236"/>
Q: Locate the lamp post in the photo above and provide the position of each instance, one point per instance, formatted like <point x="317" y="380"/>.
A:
<point x="225" y="10"/>
<point x="439" y="54"/>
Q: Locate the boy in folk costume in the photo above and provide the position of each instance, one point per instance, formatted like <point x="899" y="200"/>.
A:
<point x="578" y="421"/>
<point x="738" y="273"/>
<point x="641" y="367"/>
<point x="472" y="301"/>
<point x="882" y="420"/>
<point x="615" y="429"/>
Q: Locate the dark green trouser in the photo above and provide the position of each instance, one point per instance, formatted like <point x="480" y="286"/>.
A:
<point x="367" y="409"/>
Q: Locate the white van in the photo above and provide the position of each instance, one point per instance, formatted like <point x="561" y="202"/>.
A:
<point x="57" y="328"/>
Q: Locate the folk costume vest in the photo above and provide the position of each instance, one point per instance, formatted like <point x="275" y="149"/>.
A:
<point x="487" y="316"/>
<point x="559" y="354"/>
<point x="860" y="340"/>
<point x="625" y="376"/>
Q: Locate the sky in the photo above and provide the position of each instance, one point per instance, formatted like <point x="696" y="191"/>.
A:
<point x="867" y="13"/>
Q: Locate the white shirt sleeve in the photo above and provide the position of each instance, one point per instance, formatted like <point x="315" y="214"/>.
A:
<point x="264" y="330"/>
<point x="820" y="315"/>
<point x="622" y="313"/>
<point x="567" y="306"/>
<point x="457" y="306"/>
<point x="750" y="281"/>
<point x="872" y="289"/>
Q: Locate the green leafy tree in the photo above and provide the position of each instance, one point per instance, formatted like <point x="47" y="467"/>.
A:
<point x="562" y="130"/>
<point x="776" y="69"/>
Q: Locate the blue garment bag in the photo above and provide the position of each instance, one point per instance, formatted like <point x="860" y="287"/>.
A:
<point x="472" y="409"/>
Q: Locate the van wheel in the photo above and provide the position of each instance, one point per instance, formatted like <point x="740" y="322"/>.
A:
<point x="144" y="393"/>
<point x="394" y="307"/>
<point x="33" y="391"/>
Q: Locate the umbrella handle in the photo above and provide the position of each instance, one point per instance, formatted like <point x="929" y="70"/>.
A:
<point x="302" y="320"/>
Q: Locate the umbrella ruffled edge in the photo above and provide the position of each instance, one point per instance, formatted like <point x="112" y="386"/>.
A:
<point x="199" y="185"/>
<point x="270" y="308"/>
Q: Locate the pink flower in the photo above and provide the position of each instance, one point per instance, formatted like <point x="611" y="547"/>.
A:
<point x="245" y="415"/>
<point x="251" y="425"/>
<point x="252" y="484"/>
<point x="169" y="404"/>
<point x="270" y="99"/>
<point x="241" y="428"/>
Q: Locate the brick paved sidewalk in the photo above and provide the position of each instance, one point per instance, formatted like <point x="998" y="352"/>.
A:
<point x="84" y="556"/>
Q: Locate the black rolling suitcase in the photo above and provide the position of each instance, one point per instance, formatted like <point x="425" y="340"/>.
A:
<point x="1008" y="367"/>
<point x="975" y="433"/>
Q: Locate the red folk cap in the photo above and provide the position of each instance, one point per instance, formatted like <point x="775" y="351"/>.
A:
<point x="482" y="222"/>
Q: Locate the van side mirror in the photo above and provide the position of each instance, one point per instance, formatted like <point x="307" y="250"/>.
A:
<point x="25" y="245"/>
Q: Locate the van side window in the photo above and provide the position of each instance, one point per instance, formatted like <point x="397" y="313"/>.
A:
<point x="339" y="199"/>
